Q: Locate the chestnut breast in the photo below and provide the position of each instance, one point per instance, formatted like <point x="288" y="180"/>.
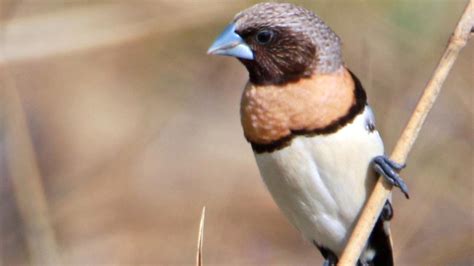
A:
<point x="271" y="112"/>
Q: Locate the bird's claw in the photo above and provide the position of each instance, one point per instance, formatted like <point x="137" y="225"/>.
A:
<point x="388" y="169"/>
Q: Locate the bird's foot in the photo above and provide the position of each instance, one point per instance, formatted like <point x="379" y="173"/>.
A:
<point x="388" y="169"/>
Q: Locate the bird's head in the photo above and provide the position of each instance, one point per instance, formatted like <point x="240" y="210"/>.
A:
<point x="280" y="43"/>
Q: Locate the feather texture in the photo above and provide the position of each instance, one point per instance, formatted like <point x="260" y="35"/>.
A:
<point x="322" y="182"/>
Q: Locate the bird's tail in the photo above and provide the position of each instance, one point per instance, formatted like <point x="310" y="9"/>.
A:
<point x="379" y="248"/>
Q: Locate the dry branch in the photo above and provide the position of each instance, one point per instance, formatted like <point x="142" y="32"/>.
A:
<point x="382" y="190"/>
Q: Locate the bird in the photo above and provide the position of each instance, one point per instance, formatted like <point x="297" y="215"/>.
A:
<point x="313" y="134"/>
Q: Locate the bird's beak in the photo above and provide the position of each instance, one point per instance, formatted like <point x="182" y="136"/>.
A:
<point x="230" y="43"/>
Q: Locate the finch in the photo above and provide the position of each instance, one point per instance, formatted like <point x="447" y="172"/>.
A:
<point x="311" y="129"/>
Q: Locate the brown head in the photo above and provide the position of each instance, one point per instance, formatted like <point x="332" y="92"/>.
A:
<point x="280" y="43"/>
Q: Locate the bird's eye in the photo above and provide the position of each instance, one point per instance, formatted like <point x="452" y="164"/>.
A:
<point x="264" y="36"/>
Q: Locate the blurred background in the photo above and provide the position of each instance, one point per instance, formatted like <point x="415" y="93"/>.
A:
<point x="116" y="129"/>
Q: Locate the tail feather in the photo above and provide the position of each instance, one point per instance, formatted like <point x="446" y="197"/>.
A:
<point x="380" y="244"/>
<point x="378" y="251"/>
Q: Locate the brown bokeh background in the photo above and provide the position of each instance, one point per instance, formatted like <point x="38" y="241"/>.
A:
<point x="133" y="129"/>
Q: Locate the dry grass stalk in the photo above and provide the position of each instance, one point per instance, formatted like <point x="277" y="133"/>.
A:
<point x="382" y="190"/>
<point x="200" y="238"/>
<point x="22" y="164"/>
<point x="26" y="179"/>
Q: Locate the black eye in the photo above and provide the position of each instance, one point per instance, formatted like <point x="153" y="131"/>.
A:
<point x="264" y="36"/>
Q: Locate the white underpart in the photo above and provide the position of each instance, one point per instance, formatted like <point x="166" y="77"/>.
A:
<point x="321" y="182"/>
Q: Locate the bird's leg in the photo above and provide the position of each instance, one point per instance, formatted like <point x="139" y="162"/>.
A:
<point x="387" y="211"/>
<point x="388" y="169"/>
<point x="330" y="260"/>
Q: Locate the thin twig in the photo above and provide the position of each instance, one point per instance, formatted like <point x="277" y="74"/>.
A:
<point x="200" y="238"/>
<point x="382" y="190"/>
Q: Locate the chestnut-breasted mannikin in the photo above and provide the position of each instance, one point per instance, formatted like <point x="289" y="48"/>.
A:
<point x="313" y="133"/>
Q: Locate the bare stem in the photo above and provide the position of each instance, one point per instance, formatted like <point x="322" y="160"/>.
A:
<point x="200" y="238"/>
<point x="382" y="190"/>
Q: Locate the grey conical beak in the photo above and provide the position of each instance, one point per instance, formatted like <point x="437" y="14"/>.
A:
<point x="230" y="43"/>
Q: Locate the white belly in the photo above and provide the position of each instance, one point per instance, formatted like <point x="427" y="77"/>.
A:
<point x="322" y="182"/>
